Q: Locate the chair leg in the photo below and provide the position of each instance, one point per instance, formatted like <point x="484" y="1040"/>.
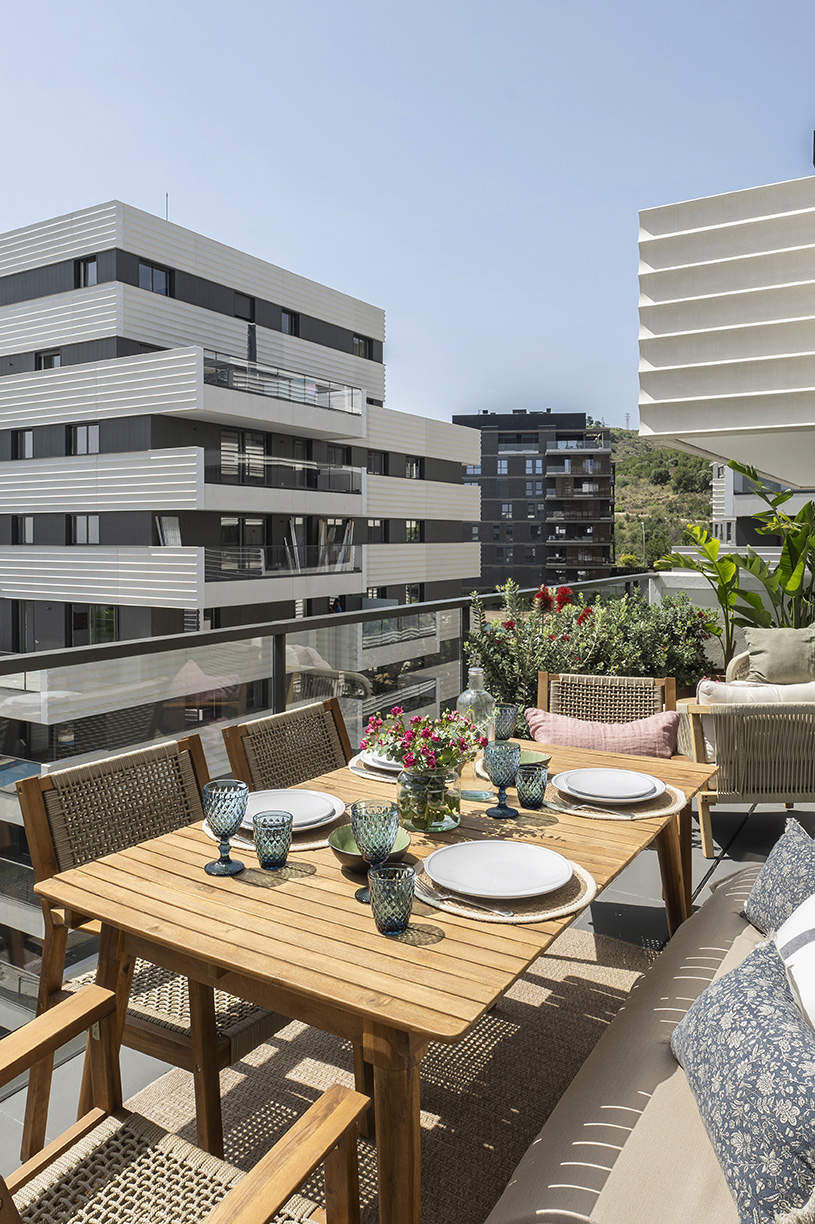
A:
<point x="205" y="1072"/>
<point x="364" y="1083"/>
<point x="789" y="806"/>
<point x="52" y="970"/>
<point x="704" y="800"/>
<point x="342" y="1181"/>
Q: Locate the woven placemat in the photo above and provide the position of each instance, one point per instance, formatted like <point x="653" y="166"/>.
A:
<point x="374" y="775"/>
<point x="573" y="896"/>
<point x="300" y="841"/>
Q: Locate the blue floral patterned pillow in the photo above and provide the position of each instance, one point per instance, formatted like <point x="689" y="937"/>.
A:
<point x="750" y="1060"/>
<point x="786" y="879"/>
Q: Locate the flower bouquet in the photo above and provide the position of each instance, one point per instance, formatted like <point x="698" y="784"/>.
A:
<point x="432" y="752"/>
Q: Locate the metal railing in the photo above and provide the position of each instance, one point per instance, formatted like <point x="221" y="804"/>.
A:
<point x="390" y="630"/>
<point x="564" y="444"/>
<point x="224" y="370"/>
<point x="271" y="472"/>
<point x="276" y="560"/>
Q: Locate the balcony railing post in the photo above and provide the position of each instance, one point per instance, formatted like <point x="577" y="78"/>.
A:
<point x="279" y="673"/>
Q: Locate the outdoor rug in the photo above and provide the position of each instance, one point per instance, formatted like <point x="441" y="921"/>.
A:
<point x="483" y="1100"/>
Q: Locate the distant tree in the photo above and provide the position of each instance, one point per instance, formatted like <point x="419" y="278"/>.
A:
<point x="660" y="475"/>
<point x="628" y="560"/>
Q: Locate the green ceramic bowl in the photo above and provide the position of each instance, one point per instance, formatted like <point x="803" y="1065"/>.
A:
<point x="530" y="757"/>
<point x="341" y="841"/>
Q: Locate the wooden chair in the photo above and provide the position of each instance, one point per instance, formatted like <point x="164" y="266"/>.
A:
<point x="74" y="815"/>
<point x="113" y="1165"/>
<point x="286" y="749"/>
<point x="605" y="698"/>
<point x="764" y="753"/>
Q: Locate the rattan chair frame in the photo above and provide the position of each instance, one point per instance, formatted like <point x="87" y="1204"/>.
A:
<point x="237" y="736"/>
<point x="124" y="1159"/>
<point x="552" y="700"/>
<point x="140" y="1033"/>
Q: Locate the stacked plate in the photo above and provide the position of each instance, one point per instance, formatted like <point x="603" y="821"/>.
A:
<point x="380" y="764"/>
<point x="620" y="787"/>
<point x="498" y="870"/>
<point x="310" y="809"/>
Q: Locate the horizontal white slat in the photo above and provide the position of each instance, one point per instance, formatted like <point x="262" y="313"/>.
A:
<point x="61" y="318"/>
<point x="171" y="479"/>
<point x="47" y="242"/>
<point x="395" y="497"/>
<point x="394" y="563"/>
<point x="410" y="434"/>
<point x="139" y="577"/>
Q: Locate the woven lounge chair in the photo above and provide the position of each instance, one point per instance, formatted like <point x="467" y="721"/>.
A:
<point x="286" y="749"/>
<point x="114" y="1166"/>
<point x="75" y="815"/>
<point x="609" y="699"/>
<point x="764" y="753"/>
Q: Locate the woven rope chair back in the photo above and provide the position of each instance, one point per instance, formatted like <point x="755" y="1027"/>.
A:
<point x="105" y="806"/>
<point x="286" y="749"/>
<point x="765" y="752"/>
<point x="610" y="699"/>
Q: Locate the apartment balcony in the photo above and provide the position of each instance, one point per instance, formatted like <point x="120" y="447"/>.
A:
<point x="267" y="484"/>
<point x="599" y="491"/>
<point x="281" y="560"/>
<point x="583" y="541"/>
<point x="594" y="445"/>
<point x="600" y="515"/>
<point x="224" y="370"/>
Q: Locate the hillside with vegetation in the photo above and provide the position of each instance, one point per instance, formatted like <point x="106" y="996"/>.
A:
<point x="666" y="489"/>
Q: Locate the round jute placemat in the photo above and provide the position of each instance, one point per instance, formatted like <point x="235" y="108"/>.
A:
<point x="318" y="840"/>
<point x="667" y="804"/>
<point x="573" y="896"/>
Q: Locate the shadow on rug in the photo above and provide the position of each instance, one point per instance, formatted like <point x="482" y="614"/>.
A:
<point x="483" y="1100"/>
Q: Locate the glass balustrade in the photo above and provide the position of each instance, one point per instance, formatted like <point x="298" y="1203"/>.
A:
<point x="223" y="370"/>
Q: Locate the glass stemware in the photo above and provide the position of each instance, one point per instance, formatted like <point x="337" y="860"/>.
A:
<point x="501" y="761"/>
<point x="506" y="719"/>
<point x="375" y="826"/>
<point x="225" y="808"/>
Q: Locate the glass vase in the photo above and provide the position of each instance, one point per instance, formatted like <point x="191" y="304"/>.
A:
<point x="429" y="801"/>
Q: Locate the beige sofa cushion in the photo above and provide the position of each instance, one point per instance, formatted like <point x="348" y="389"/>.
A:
<point x="626" y="1143"/>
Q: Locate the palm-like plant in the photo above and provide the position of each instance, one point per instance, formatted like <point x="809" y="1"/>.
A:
<point x="721" y="572"/>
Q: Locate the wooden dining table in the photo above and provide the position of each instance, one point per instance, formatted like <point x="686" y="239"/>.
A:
<point x="298" y="943"/>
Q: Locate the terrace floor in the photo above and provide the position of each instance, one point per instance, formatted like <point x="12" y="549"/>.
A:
<point x="630" y="909"/>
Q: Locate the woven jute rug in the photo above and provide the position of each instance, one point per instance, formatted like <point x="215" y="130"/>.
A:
<point x="483" y="1100"/>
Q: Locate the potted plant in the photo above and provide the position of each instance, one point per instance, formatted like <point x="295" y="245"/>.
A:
<point x="432" y="752"/>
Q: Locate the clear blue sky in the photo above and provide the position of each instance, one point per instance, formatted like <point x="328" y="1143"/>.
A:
<point x="475" y="168"/>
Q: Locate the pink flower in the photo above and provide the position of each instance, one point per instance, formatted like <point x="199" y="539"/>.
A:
<point x="425" y="733"/>
<point x="408" y="737"/>
<point x="436" y="738"/>
<point x="363" y="743"/>
<point x="397" y="710"/>
<point x="415" y="718"/>
<point x="483" y="741"/>
<point x="431" y="759"/>
<point x="409" y="759"/>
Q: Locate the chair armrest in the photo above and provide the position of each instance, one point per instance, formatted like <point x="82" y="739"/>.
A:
<point x="738" y="667"/>
<point x="258" y="1196"/>
<point x="44" y="1035"/>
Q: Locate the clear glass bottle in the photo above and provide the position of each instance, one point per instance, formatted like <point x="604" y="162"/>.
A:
<point x="477" y="704"/>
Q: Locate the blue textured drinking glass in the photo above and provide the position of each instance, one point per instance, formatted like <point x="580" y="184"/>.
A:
<point x="506" y="719"/>
<point x="272" y="838"/>
<point x="531" y="784"/>
<point x="392" y="888"/>
<point x="375" y="826"/>
<point x="501" y="761"/>
<point x="225" y="808"/>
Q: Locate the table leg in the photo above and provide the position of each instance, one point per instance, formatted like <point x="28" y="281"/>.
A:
<point x="205" y="1069"/>
<point x="685" y="846"/>
<point x="674" y="890"/>
<point x="396" y="1058"/>
<point x="364" y="1083"/>
<point x="102" y="1072"/>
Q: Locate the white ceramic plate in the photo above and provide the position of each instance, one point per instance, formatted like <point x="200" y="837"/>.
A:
<point x="609" y="786"/>
<point x="310" y="809"/>
<point x="498" y="870"/>
<point x="380" y="762"/>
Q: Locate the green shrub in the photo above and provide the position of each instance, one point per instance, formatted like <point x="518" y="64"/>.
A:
<point x="624" y="636"/>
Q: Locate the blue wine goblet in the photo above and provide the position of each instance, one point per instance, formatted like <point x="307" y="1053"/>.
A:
<point x="225" y="808"/>
<point x="501" y="761"/>
<point x="506" y="719"/>
<point x="375" y="826"/>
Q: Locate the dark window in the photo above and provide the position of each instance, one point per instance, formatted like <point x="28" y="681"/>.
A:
<point x="339" y="454"/>
<point x="414" y="531"/>
<point x="85" y="272"/>
<point x="83" y="528"/>
<point x="414" y="592"/>
<point x="244" y="306"/>
<point x="496" y="533"/>
<point x="83" y="439"/>
<point x="475" y="530"/>
<point x="502" y="467"/>
<point x="168" y="527"/>
<point x="536" y="531"/>
<point x="363" y="347"/>
<point x="506" y="510"/>
<point x="22" y="529"/>
<point x="50" y="360"/>
<point x="22" y="444"/>
<point x="377" y="463"/>
<point x="290" y="322"/>
<point x="154" y="278"/>
<point x="375" y="593"/>
<point x="534" y="488"/>
<point x="534" y="467"/>
<point x="414" y="467"/>
<point x="377" y="531"/>
<point x="472" y="469"/>
<point x="90" y="624"/>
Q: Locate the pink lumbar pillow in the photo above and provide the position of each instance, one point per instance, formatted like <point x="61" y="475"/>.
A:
<point x="654" y="736"/>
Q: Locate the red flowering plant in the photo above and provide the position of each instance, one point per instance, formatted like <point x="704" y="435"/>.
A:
<point x="560" y="631"/>
<point x="423" y="743"/>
